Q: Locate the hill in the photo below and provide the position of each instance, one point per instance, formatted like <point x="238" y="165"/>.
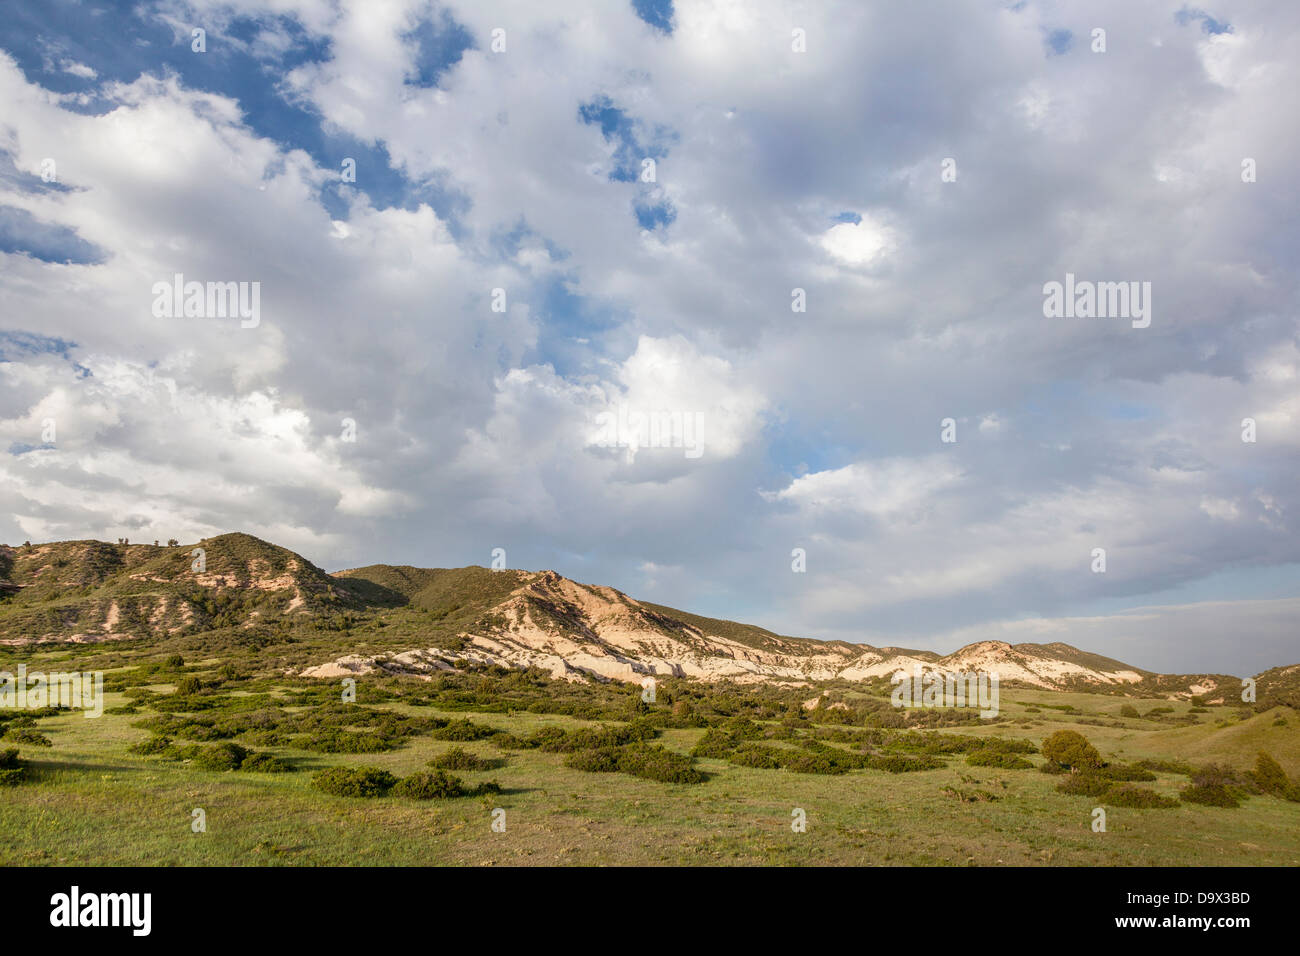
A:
<point x="404" y="619"/>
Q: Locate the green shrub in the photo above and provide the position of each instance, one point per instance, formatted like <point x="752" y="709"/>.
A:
<point x="1123" y="774"/>
<point x="650" y="761"/>
<point x="223" y="756"/>
<point x="1002" y="761"/>
<point x="1138" y="798"/>
<point x="1269" y="775"/>
<point x="820" y="763"/>
<point x="896" y="763"/>
<point x="598" y="760"/>
<point x="1128" y="710"/>
<point x="462" y="729"/>
<point x="653" y="762"/>
<point x="1084" y="784"/>
<point x="346" y="742"/>
<point x="457" y="758"/>
<point x="188" y="686"/>
<point x="1071" y="749"/>
<point x="12" y="771"/>
<point x="716" y="742"/>
<point x="265" y="763"/>
<point x="1213" y="795"/>
<point x="756" y="755"/>
<point x="27" y="735"/>
<point x="429" y="786"/>
<point x="354" y="781"/>
<point x="154" y="745"/>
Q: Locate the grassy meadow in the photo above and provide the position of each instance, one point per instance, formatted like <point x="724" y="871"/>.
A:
<point x="877" y="786"/>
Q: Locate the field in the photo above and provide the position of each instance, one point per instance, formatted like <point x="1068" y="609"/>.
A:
<point x="88" y="798"/>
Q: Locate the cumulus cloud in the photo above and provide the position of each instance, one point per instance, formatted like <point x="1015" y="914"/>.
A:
<point x="499" y="277"/>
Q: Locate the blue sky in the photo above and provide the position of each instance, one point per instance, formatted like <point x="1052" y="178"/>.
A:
<point x="741" y="215"/>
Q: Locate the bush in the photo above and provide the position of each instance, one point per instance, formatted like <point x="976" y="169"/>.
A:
<point x="716" y="742"/>
<point x="223" y="756"/>
<point x="599" y="760"/>
<point x="154" y="745"/>
<point x="1084" y="785"/>
<point x="462" y="729"/>
<point x="819" y="762"/>
<point x="1128" y="710"/>
<point x="436" y="785"/>
<point x="652" y="762"/>
<point x="188" y="686"/>
<point x="1124" y="774"/>
<point x="458" y="758"/>
<point x="756" y="755"/>
<point x="895" y="763"/>
<point x="12" y="771"/>
<point x="1002" y="761"/>
<point x="1071" y="749"/>
<point x="1213" y="795"/>
<point x="346" y="742"/>
<point x="354" y="781"/>
<point x="1138" y="798"/>
<point x="265" y="763"/>
<point x="1269" y="775"/>
<point x="29" y="736"/>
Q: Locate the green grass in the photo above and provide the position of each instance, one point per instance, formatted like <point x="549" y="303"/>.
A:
<point x="90" y="801"/>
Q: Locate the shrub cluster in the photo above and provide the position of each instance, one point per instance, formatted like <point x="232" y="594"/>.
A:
<point x="354" y="781"/>
<point x="373" y="782"/>
<point x="458" y="758"/>
<point x="649" y="761"/>
<point x="12" y="770"/>
<point x="1000" y="761"/>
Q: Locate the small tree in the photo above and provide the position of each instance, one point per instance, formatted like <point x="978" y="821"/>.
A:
<point x="1270" y="776"/>
<point x="188" y="686"/>
<point x="1071" y="749"/>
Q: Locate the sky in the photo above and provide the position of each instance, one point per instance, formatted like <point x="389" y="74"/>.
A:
<point x="813" y="242"/>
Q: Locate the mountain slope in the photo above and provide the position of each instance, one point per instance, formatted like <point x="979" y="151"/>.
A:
<point x="417" y="620"/>
<point x="90" y="590"/>
<point x="577" y="631"/>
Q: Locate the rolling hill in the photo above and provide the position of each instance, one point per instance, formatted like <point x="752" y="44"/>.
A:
<point x="399" y="618"/>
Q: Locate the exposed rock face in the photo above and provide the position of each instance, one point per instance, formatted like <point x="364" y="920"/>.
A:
<point x="91" y="591"/>
<point x="577" y="631"/>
